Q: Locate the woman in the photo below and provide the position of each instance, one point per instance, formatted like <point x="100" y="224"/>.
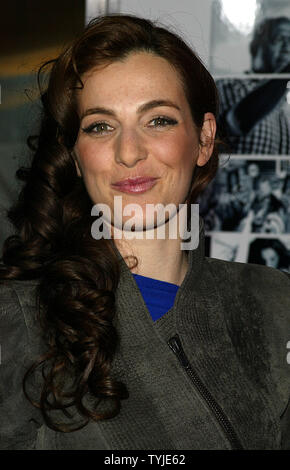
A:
<point x="107" y="368"/>
<point x="269" y="252"/>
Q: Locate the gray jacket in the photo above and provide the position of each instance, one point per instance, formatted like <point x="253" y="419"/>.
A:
<point x="222" y="383"/>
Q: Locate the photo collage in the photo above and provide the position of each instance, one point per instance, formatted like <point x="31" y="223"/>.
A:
<point x="246" y="209"/>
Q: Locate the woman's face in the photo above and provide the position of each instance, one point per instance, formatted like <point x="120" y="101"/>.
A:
<point x="136" y="121"/>
<point x="270" y="256"/>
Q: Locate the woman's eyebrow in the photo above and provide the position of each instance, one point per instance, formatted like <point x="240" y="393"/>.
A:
<point x="143" y="108"/>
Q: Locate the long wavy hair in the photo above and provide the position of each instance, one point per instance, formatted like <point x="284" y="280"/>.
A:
<point x="78" y="275"/>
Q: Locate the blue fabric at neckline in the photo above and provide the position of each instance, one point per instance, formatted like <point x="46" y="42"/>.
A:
<point x="150" y="282"/>
<point x="158" y="295"/>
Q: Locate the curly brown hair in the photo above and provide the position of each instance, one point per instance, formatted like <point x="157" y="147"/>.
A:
<point x="78" y="275"/>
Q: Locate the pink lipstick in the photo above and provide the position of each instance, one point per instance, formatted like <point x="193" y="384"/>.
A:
<point x="136" y="185"/>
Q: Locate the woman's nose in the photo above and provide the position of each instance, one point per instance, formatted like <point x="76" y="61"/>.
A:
<point x="130" y="148"/>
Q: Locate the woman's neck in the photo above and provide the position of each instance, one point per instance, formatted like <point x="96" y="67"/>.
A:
<point x="158" y="259"/>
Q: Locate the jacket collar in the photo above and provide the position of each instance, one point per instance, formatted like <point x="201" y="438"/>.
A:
<point x="185" y="293"/>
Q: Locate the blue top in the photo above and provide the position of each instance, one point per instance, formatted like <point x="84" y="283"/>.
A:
<point x="158" y="295"/>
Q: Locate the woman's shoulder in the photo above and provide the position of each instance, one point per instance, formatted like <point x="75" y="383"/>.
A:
<point x="257" y="292"/>
<point x="250" y="274"/>
<point x="256" y="302"/>
<point x="257" y="298"/>
<point x="17" y="292"/>
<point x="22" y="286"/>
<point x="18" y="309"/>
<point x="261" y="290"/>
<point x="257" y="295"/>
<point x="19" y="348"/>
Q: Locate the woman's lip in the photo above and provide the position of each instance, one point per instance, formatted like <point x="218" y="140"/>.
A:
<point x="135" y="180"/>
<point x="135" y="187"/>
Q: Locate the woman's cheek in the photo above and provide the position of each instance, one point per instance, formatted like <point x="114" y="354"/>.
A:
<point x="166" y="149"/>
<point x="91" y="156"/>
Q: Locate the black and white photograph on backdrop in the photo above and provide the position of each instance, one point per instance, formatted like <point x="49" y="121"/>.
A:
<point x="248" y="248"/>
<point x="252" y="36"/>
<point x="250" y="50"/>
<point x="228" y="246"/>
<point x="249" y="196"/>
<point x="272" y="252"/>
<point x="254" y="116"/>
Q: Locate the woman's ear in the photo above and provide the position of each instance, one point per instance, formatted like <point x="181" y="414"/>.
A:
<point x="207" y="137"/>
<point x="76" y="164"/>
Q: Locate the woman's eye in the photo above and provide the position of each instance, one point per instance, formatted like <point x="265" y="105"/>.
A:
<point x="101" y="128"/>
<point x="162" y="122"/>
<point x="98" y="128"/>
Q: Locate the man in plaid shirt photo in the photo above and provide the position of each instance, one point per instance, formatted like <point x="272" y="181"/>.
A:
<point x="252" y="119"/>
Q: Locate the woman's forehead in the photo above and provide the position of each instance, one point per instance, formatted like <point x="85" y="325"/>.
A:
<point x="137" y="65"/>
<point x="139" y="75"/>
